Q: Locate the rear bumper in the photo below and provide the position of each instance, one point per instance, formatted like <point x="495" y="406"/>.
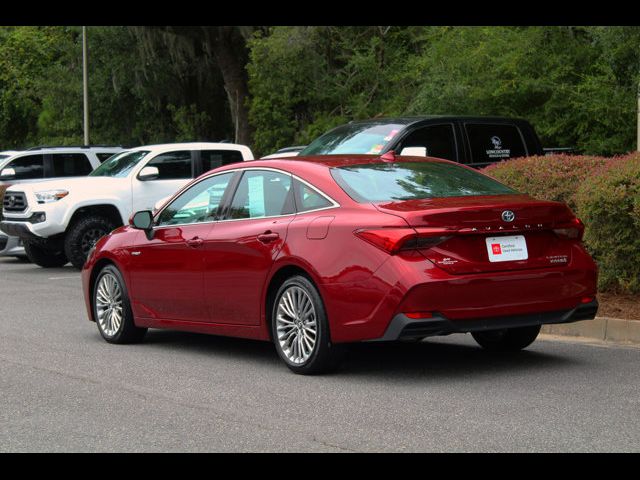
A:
<point x="402" y="327"/>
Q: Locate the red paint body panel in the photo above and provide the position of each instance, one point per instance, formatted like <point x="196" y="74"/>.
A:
<point x="221" y="287"/>
<point x="236" y="265"/>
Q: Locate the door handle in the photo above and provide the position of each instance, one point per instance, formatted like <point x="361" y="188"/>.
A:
<point x="268" y="237"/>
<point x="195" y="242"/>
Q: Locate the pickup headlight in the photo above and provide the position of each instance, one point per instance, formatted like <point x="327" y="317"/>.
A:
<point x="49" y="196"/>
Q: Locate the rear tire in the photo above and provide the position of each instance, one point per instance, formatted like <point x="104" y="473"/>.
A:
<point x="82" y="235"/>
<point x="112" y="308"/>
<point x="507" y="340"/>
<point x="300" y="329"/>
<point x="44" y="257"/>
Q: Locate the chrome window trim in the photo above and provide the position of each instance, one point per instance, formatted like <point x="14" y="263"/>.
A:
<point x="334" y="204"/>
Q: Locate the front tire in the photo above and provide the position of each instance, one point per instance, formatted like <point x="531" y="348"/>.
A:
<point x="112" y="308"/>
<point x="300" y="329"/>
<point x="44" y="257"/>
<point x="83" y="235"/>
<point x="507" y="340"/>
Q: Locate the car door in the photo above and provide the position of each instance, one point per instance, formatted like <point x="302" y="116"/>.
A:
<point x="241" y="248"/>
<point x="166" y="272"/>
<point x="175" y="170"/>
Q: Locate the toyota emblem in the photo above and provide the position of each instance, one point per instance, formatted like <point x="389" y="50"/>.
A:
<point x="12" y="201"/>
<point x="508" y="216"/>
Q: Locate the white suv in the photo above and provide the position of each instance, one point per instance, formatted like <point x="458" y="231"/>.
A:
<point x="61" y="220"/>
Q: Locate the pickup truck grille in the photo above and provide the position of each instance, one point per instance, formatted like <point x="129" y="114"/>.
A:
<point x="14" y="202"/>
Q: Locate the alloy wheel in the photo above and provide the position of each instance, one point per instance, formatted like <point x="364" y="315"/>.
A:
<point x="296" y="325"/>
<point x="109" y="306"/>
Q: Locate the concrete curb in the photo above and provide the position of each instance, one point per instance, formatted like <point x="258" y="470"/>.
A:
<point x="600" y="328"/>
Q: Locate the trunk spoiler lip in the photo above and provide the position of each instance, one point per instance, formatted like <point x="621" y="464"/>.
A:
<point x="463" y="202"/>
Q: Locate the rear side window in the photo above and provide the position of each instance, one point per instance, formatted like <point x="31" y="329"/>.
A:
<point x="438" y="140"/>
<point x="262" y="193"/>
<point x="27" y="167"/>
<point x="492" y="143"/>
<point x="309" y="199"/>
<point x="216" y="158"/>
<point x="70" y="164"/>
<point x="173" y="165"/>
<point x="413" y="180"/>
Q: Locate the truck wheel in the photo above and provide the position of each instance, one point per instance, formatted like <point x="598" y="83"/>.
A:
<point x="43" y="257"/>
<point x="507" y="340"/>
<point x="82" y="235"/>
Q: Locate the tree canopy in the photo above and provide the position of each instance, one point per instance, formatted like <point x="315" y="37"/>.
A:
<point x="272" y="87"/>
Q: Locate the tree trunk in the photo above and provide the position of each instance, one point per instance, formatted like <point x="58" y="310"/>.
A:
<point x="229" y="51"/>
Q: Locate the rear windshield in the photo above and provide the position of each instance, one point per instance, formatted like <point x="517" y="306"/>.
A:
<point x="381" y="182"/>
<point x="355" y="138"/>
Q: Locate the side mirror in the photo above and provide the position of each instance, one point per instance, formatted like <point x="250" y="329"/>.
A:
<point x="149" y="173"/>
<point x="414" y="151"/>
<point x="8" y="172"/>
<point x="142" y="220"/>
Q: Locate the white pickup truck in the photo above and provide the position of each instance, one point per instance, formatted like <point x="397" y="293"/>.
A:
<point x="59" y="221"/>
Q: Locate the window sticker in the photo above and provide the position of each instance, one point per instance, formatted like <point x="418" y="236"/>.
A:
<point x="376" y="149"/>
<point x="392" y="134"/>
<point x="256" y="196"/>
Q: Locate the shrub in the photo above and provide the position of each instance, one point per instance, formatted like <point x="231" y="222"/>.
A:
<point x="609" y="205"/>
<point x="553" y="177"/>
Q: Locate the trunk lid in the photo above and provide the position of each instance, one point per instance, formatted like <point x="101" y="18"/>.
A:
<point x="474" y="226"/>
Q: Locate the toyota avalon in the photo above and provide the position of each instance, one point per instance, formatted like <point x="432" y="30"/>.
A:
<point x="314" y="253"/>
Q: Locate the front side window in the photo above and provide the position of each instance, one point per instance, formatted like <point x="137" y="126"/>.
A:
<point x="28" y="167"/>
<point x="378" y="182"/>
<point x="438" y="141"/>
<point x="173" y="165"/>
<point x="492" y="143"/>
<point x="119" y="165"/>
<point x="356" y="138"/>
<point x="198" y="204"/>
<point x="70" y="164"/>
<point x="262" y="193"/>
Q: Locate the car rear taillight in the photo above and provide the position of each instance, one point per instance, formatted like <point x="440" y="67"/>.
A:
<point x="572" y="230"/>
<point x="394" y="240"/>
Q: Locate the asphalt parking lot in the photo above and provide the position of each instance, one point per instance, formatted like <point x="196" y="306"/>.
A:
<point x="62" y="388"/>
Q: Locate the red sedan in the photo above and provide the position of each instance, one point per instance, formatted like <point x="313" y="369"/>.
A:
<point x="314" y="253"/>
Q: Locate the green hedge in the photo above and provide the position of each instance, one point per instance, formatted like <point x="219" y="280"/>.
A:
<point x="553" y="177"/>
<point x="604" y="193"/>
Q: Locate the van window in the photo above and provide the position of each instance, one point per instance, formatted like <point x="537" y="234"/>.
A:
<point x="492" y="143"/>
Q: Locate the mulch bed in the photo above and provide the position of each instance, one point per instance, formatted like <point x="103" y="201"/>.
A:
<point x="626" y="307"/>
